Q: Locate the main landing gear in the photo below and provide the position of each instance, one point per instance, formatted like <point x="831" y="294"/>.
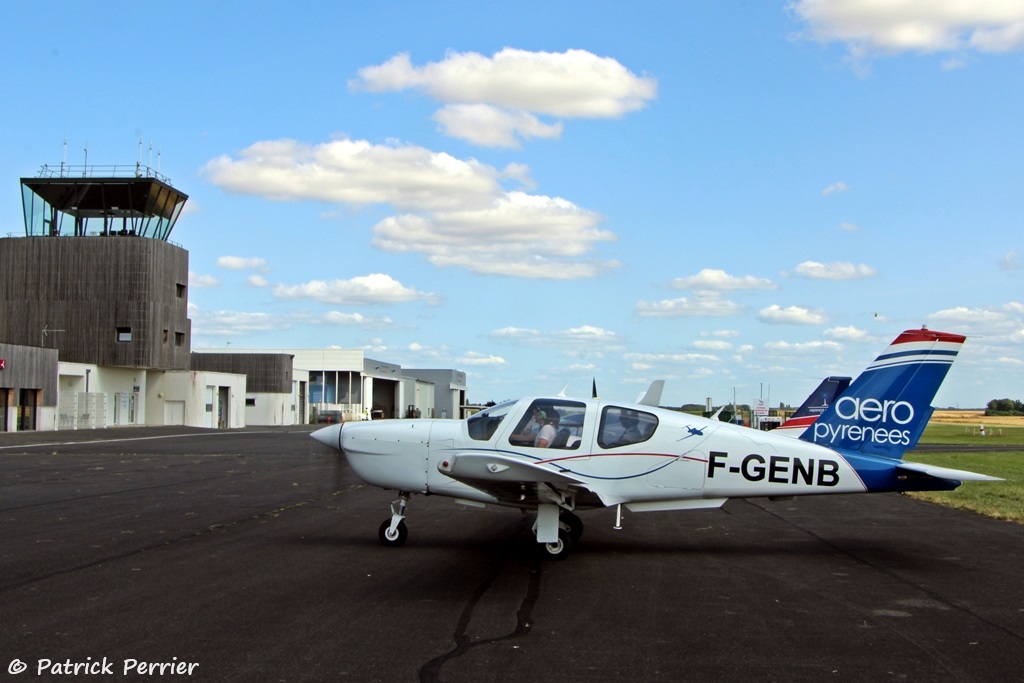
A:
<point x="393" y="531"/>
<point x="557" y="530"/>
<point x="569" y="531"/>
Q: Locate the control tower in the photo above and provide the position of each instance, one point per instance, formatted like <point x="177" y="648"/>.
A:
<point x="95" y="275"/>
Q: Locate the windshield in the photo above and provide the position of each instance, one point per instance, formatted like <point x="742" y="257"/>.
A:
<point x="483" y="425"/>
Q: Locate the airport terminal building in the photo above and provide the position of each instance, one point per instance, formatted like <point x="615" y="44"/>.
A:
<point x="94" y="327"/>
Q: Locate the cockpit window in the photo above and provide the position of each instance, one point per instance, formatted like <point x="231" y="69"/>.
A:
<point x="551" y="424"/>
<point x="623" y="427"/>
<point x="483" y="425"/>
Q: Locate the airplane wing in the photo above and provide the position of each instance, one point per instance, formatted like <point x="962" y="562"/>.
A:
<point x="514" y="481"/>
<point x="944" y="472"/>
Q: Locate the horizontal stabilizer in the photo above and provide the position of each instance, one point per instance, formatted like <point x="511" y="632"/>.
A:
<point x="944" y="472"/>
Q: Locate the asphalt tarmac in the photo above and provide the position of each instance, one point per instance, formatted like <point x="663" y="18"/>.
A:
<point x="252" y="555"/>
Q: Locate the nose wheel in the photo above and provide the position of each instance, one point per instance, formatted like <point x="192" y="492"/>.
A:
<point x="393" y="532"/>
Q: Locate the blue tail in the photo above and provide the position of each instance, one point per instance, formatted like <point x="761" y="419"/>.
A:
<point x="817" y="403"/>
<point x="887" y="407"/>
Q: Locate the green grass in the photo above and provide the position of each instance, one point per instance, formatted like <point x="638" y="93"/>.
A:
<point x="999" y="499"/>
<point x="961" y="435"/>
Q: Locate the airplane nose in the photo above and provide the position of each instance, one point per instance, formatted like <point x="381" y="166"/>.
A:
<point x="329" y="436"/>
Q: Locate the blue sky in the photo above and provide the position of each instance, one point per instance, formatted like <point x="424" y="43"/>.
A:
<point x="728" y="196"/>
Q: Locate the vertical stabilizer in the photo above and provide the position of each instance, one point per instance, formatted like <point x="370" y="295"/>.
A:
<point x="886" y="408"/>
<point x="817" y="403"/>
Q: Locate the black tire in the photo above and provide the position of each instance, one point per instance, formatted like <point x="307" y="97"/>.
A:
<point x="400" y="535"/>
<point x="559" y="550"/>
<point x="574" y="523"/>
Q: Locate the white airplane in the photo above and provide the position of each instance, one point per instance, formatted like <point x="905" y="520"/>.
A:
<point x="554" y="456"/>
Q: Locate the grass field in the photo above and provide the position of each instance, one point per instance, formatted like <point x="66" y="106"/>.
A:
<point x="1003" y="499"/>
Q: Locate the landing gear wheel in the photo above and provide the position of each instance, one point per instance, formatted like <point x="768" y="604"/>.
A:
<point x="394" y="538"/>
<point x="558" y="550"/>
<point x="572" y="524"/>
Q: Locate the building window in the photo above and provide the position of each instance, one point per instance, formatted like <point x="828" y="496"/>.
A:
<point x="179" y="338"/>
<point x="181" y="291"/>
<point x="165" y="336"/>
<point x="124" y="334"/>
<point x="250" y="401"/>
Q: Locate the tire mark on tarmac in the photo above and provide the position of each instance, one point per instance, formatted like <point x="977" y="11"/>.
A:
<point x="431" y="671"/>
<point x="184" y="537"/>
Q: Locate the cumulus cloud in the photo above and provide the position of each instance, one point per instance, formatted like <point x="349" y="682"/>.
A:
<point x="357" y="320"/>
<point x="835" y="187"/>
<point x="235" y="323"/>
<point x="572" y="84"/>
<point x="202" y="281"/>
<point x="693" y="307"/>
<point x="519" y="235"/>
<point x="480" y="359"/>
<point x="790" y="315"/>
<point x="586" y="338"/>
<point x="927" y="26"/>
<point x="376" y="288"/>
<point x="453" y="211"/>
<point x="489" y="126"/>
<point x="712" y="279"/>
<point x="799" y="348"/>
<point x="712" y="345"/>
<point x="839" y="270"/>
<point x="241" y="263"/>
<point x="847" y="333"/>
<point x="1010" y="261"/>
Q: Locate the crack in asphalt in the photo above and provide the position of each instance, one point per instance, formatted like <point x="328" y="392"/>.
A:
<point x="464" y="643"/>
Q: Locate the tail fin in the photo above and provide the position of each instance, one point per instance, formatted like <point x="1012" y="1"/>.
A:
<point x="817" y="403"/>
<point x="887" y="407"/>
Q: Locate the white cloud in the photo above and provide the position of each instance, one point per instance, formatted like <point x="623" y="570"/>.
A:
<point x="376" y="288"/>
<point x="847" y="333"/>
<point x="356" y="172"/>
<point x="571" y="84"/>
<point x="586" y="338"/>
<point x="489" y="126"/>
<point x="835" y="187"/>
<point x="228" y="323"/>
<point x="799" y="348"/>
<point x="849" y="227"/>
<point x="791" y="315"/>
<point x="256" y="281"/>
<point x="357" y="319"/>
<point x="479" y="359"/>
<point x="1010" y="261"/>
<point x="839" y="270"/>
<point x="721" y="334"/>
<point x="518" y="234"/>
<point x="696" y="307"/>
<point x="927" y="26"/>
<point x="241" y="263"/>
<point x="712" y="345"/>
<point x="202" y="281"/>
<point x="455" y="212"/>
<point x="712" y="279"/>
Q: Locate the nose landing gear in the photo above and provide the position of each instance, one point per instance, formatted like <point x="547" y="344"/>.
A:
<point x="393" y="532"/>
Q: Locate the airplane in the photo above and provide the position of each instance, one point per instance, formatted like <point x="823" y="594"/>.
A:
<point x="555" y="457"/>
<point x="817" y="403"/>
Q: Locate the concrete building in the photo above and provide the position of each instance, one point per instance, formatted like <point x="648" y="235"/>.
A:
<point x="28" y="388"/>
